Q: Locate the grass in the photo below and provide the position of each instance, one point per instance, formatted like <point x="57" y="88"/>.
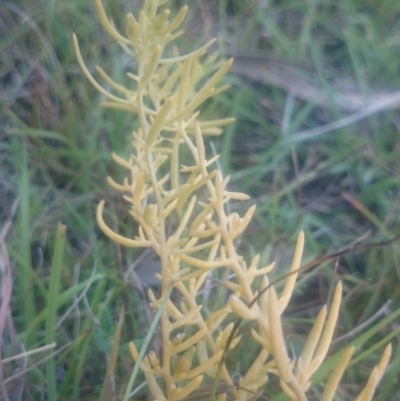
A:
<point x="337" y="186"/>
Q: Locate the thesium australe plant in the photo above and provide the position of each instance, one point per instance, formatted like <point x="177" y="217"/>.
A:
<point x="181" y="213"/>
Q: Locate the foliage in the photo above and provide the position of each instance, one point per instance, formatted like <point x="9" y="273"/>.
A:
<point x="56" y="150"/>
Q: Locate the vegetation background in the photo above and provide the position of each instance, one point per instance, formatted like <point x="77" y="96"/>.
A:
<point x="316" y="143"/>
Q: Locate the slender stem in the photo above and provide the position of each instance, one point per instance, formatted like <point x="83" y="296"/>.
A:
<point x="163" y="247"/>
<point x="166" y="363"/>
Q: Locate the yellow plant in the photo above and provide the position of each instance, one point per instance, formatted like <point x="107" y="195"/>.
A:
<point x="165" y="93"/>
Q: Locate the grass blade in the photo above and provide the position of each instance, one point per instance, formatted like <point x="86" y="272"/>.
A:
<point x="145" y="345"/>
<point x="51" y="320"/>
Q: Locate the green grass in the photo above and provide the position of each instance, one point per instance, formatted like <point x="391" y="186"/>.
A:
<point x="55" y="154"/>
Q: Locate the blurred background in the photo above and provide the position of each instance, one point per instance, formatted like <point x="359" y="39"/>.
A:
<point x="315" y="90"/>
